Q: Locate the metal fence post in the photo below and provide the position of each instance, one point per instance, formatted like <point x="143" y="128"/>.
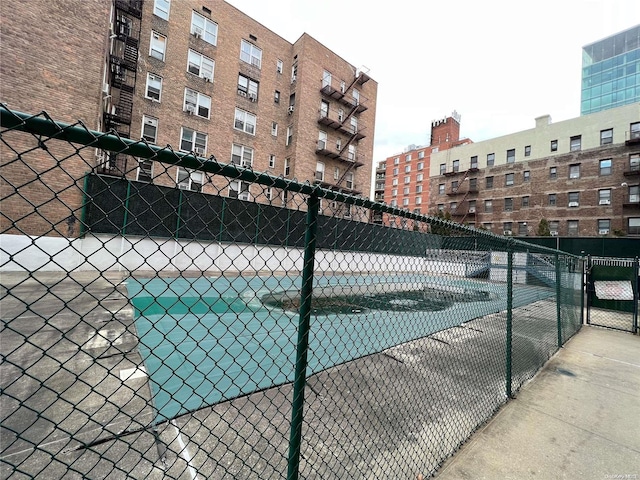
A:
<point x="302" y="346"/>
<point x="559" y="299"/>
<point x="587" y="280"/>
<point x="509" y="351"/>
<point x="636" y="294"/>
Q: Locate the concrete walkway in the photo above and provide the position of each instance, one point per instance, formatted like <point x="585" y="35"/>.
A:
<point x="578" y="419"/>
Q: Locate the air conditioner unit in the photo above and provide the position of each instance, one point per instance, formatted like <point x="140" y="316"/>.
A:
<point x="573" y="204"/>
<point x="208" y="79"/>
<point x="197" y="32"/>
<point x="199" y="150"/>
<point x="253" y="97"/>
<point x="255" y="62"/>
<point x="604" y="202"/>
<point x="321" y="144"/>
<point x="291" y="109"/>
<point x="190" y="109"/>
<point x="603" y="231"/>
<point x="554" y="233"/>
<point x="105" y="88"/>
<point x="472" y="209"/>
<point x="507" y="232"/>
<point x="242" y="93"/>
<point x="293" y="78"/>
<point x="183" y="186"/>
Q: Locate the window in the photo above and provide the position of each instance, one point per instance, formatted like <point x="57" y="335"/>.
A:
<point x="354" y="124"/>
<point x="326" y="79"/>
<point x="272" y="161"/>
<point x="552" y="199"/>
<point x="453" y="206"/>
<point x="240" y="190"/>
<point x="418" y="188"/>
<point x="154" y="87"/>
<point x="491" y="159"/>
<point x="419" y="177"/>
<point x="522" y="229"/>
<point x="508" y="228"/>
<point x="396" y="161"/>
<point x="634" y="162"/>
<point x="246" y="122"/>
<point x="276" y="97"/>
<point x="488" y="206"/>
<point x="149" y="129"/>
<point x="242" y="156"/>
<point x="604" y="196"/>
<point x="268" y="193"/>
<point x="441" y="189"/>
<point x="319" y="171"/>
<point x="395" y="171"/>
<point x="394" y="182"/>
<point x="456" y="165"/>
<point x="526" y="176"/>
<point x="418" y="201"/>
<point x="338" y="144"/>
<point x="574" y="171"/>
<point x="289" y="135"/>
<point x="294" y="72"/>
<point x="279" y="66"/>
<point x="274" y="129"/>
<point x="192" y="141"/>
<point x="508" y="204"/>
<point x="553" y="173"/>
<point x="508" y="179"/>
<point x="443" y="168"/>
<point x="322" y="140"/>
<point x="420" y="165"/>
<point x="472" y="206"/>
<point x="200" y="65"/>
<point x="489" y="182"/>
<point x="441" y="207"/>
<point x="454" y="186"/>
<point x="634" y="131"/>
<point x="473" y="184"/>
<point x="204" y="28"/>
<point x="287" y="167"/>
<point x="554" y="145"/>
<point x="574" y="199"/>
<point x="474" y="162"/>
<point x="421" y="154"/>
<point x="633" y="226"/>
<point x="604" y="226"/>
<point x="161" y="8"/>
<point x="405" y="202"/>
<point x="407" y="158"/>
<point x="158" y="46"/>
<point x="340" y="113"/>
<point x="188" y="179"/>
<point x="336" y="173"/>
<point x="553" y="227"/>
<point x="572" y="227"/>
<point x="605" y="167"/>
<point x="407" y="179"/>
<point x="527" y="151"/>
<point x="634" y="194"/>
<point x="145" y="170"/>
<point x="250" y="53"/>
<point x="405" y="191"/>
<point x="407" y="168"/>
<point x="356" y="96"/>
<point x="606" y="136"/>
<point x="487" y="226"/>
<point x="511" y="155"/>
<point x="348" y="180"/>
<point x="575" y="143"/>
<point x="247" y="87"/>
<point x="394" y="192"/>
<point x="525" y="202"/>
<point x="351" y="153"/>
<point x="196" y="103"/>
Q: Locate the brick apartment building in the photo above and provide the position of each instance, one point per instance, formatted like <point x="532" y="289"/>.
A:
<point x="582" y="175"/>
<point x="200" y="76"/>
<point x="402" y="180"/>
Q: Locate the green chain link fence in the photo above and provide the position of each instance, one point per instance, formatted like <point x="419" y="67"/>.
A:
<point x="169" y="316"/>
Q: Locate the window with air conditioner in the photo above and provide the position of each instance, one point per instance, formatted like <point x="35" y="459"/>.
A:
<point x="272" y="161"/>
<point x="574" y="199"/>
<point x="279" y="66"/>
<point x="239" y="189"/>
<point x="247" y="87"/>
<point x="348" y="180"/>
<point x="351" y="153"/>
<point x="188" y="179"/>
<point x="196" y="103"/>
<point x="153" y="90"/>
<point x="245" y="121"/>
<point x="149" y="129"/>
<point x="250" y="54"/>
<point x="319" y="171"/>
<point x="192" y="141"/>
<point x="322" y="140"/>
<point x="574" y="171"/>
<point x="604" y="196"/>
<point x="145" y="170"/>
<point x="242" y="156"/>
<point x="604" y="226"/>
<point x="508" y="204"/>
<point x="274" y="129"/>
<point x="202" y="27"/>
<point x="200" y="65"/>
<point x="509" y="179"/>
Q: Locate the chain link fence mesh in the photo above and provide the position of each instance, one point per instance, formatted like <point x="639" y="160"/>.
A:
<point x="170" y="316"/>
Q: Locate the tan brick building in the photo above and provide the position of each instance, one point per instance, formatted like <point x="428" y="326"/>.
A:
<point x="582" y="175"/>
<point x="200" y="76"/>
<point x="402" y="180"/>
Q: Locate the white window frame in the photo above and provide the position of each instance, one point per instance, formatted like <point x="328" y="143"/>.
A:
<point x="197" y="101"/>
<point x="204" y="28"/>
<point x="242" y="155"/>
<point x="274" y="129"/>
<point x="351" y="153"/>
<point x="248" y="87"/>
<point x="187" y="179"/>
<point x="153" y="82"/>
<point x="193" y="141"/>
<point x="349" y="180"/>
<point x="161" y="8"/>
<point x="251" y="54"/>
<point x="200" y="65"/>
<point x="319" y="175"/>
<point x="286" y="171"/>
<point x="152" y="122"/>
<point x="289" y="139"/>
<point x="272" y="161"/>
<point x="606" y="136"/>
<point x="145" y="168"/>
<point x="279" y="66"/>
<point x="245" y="121"/>
<point x="242" y="190"/>
<point x="157" y="46"/>
<point x="488" y="206"/>
<point x="326" y="79"/>
<point x="604" y="196"/>
<point x="419" y="177"/>
<point x="336" y="173"/>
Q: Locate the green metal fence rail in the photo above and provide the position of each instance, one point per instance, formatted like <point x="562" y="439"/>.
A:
<point x="171" y="316"/>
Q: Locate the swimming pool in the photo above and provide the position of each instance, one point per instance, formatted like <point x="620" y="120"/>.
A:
<point x="209" y="339"/>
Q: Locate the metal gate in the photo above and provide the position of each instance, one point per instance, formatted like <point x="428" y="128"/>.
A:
<point x="612" y="293"/>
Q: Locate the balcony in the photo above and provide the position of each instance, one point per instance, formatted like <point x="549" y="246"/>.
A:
<point x="356" y="105"/>
<point x="132" y="7"/>
<point x="349" y="187"/>
<point x="632" y="137"/>
<point x="631" y="201"/>
<point x="323" y="149"/>
<point x="632" y="171"/>
<point x="343" y="125"/>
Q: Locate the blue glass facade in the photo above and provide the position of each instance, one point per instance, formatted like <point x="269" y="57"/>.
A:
<point x="611" y="72"/>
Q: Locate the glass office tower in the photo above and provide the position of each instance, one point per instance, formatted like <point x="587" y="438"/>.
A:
<point x="611" y="72"/>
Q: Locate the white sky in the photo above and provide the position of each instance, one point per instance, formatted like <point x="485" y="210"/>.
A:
<point x="498" y="63"/>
